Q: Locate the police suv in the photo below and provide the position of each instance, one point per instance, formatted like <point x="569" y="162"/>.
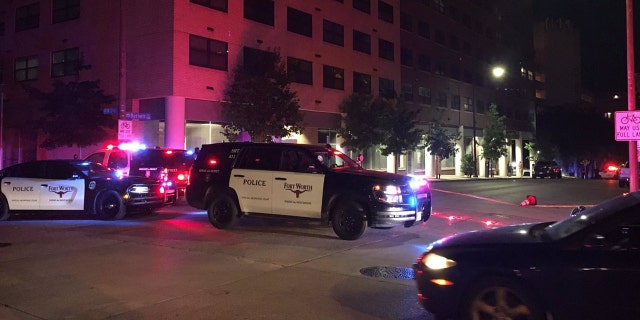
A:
<point x="169" y="165"/>
<point x="75" y="185"/>
<point x="309" y="181"/>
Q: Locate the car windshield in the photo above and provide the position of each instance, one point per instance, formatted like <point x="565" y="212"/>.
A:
<point x="93" y="170"/>
<point x="590" y="216"/>
<point x="336" y="160"/>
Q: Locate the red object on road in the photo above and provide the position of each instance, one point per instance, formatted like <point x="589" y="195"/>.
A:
<point x="529" y="201"/>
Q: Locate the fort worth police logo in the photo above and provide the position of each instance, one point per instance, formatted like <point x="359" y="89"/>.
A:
<point x="297" y="188"/>
<point x="60" y="190"/>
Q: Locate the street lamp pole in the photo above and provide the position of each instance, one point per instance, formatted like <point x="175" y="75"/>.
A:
<point x="475" y="157"/>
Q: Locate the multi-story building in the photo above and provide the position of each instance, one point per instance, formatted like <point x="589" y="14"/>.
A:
<point x="170" y="61"/>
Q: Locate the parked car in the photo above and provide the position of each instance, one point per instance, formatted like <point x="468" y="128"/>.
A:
<point x="75" y="185"/>
<point x="609" y="170"/>
<point x="624" y="175"/>
<point x="586" y="266"/>
<point x="546" y="168"/>
<point x="169" y="165"/>
<point x="230" y="180"/>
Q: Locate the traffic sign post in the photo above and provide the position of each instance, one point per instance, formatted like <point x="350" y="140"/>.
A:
<point x="627" y="125"/>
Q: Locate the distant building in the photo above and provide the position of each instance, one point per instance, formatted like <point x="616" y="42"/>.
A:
<point x="170" y="60"/>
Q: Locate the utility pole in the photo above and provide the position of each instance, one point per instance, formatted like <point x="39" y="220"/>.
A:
<point x="631" y="98"/>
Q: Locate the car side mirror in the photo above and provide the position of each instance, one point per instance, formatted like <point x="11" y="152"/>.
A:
<point x="576" y="210"/>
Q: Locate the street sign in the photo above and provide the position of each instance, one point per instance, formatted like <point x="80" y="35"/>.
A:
<point x="110" y="111"/>
<point x="627" y="125"/>
<point x="137" y="116"/>
<point x="125" y="130"/>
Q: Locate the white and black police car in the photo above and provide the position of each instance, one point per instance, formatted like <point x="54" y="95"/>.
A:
<point x="308" y="181"/>
<point x="75" y="185"/>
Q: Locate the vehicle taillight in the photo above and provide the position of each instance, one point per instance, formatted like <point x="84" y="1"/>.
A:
<point x="212" y="162"/>
<point x="612" y="168"/>
<point x="182" y="177"/>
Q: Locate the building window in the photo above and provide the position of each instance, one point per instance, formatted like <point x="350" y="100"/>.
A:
<point x="441" y="100"/>
<point x="259" y="11"/>
<point x="439" y="5"/>
<point x="65" y="10"/>
<point x="26" y="68"/>
<point x="424" y="62"/>
<point x="424" y="95"/>
<point x="332" y="77"/>
<point x="385" y="11"/>
<point x="386" y="88"/>
<point x="361" y="42"/>
<point x="299" y="22"/>
<point x="385" y="49"/>
<point x="333" y="33"/>
<point x="257" y="62"/>
<point x="455" y="71"/>
<point x="406" y="57"/>
<point x="299" y="70"/>
<point x="220" y="5"/>
<point x="1" y="28"/>
<point x="454" y="43"/>
<point x="361" y="83"/>
<point x="467" y="104"/>
<point x="28" y="17"/>
<point x="423" y="30"/>
<point x="407" y="92"/>
<point x="65" y="62"/>
<point x="406" y="21"/>
<point x="480" y="106"/>
<point x="440" y="38"/>
<point x="362" y="5"/>
<point x="208" y="53"/>
<point x="455" y="102"/>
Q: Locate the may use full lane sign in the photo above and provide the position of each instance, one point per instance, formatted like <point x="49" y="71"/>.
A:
<point x="627" y="125"/>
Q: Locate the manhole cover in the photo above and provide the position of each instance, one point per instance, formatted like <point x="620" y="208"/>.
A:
<point x="388" y="272"/>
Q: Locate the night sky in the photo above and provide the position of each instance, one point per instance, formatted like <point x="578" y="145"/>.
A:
<point x="602" y="25"/>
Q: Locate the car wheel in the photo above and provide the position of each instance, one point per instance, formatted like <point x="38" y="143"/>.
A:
<point x="109" y="206"/>
<point x="348" y="220"/>
<point x="408" y="224"/>
<point x="4" y="208"/>
<point x="498" y="298"/>
<point x="223" y="212"/>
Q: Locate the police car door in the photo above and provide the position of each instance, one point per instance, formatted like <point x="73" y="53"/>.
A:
<point x="252" y="178"/>
<point x="297" y="185"/>
<point x="21" y="185"/>
<point x="62" y="188"/>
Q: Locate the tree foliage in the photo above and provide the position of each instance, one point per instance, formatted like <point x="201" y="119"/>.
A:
<point x="494" y="144"/>
<point x="260" y="101"/>
<point x="363" y="127"/>
<point x="440" y="143"/>
<point x="577" y="131"/>
<point x="384" y="122"/>
<point x="72" y="114"/>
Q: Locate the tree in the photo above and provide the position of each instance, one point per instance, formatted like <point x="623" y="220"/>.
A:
<point x="72" y="114"/>
<point x="400" y="133"/>
<point x="467" y="165"/>
<point x="261" y="102"/>
<point x="494" y="144"/>
<point x="440" y="143"/>
<point x="361" y="129"/>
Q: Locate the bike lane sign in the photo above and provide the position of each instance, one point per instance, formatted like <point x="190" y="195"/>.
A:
<point x="627" y="125"/>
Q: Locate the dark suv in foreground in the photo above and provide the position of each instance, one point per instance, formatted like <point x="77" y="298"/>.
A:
<point x="544" y="169"/>
<point x="230" y="180"/>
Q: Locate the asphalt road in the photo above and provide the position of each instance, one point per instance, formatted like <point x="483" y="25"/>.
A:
<point x="175" y="265"/>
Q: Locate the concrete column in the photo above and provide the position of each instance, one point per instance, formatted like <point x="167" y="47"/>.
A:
<point x="503" y="162"/>
<point x="174" y="128"/>
<point x="519" y="160"/>
<point x="429" y="170"/>
<point x="460" y="153"/>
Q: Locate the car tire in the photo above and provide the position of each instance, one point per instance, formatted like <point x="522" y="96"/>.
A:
<point x="109" y="206"/>
<point x="348" y="220"/>
<point x="223" y="212"/>
<point x="500" y="298"/>
<point x="4" y="208"/>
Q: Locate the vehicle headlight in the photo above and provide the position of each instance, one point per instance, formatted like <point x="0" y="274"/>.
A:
<point x="389" y="193"/>
<point x="437" y="262"/>
<point x="418" y="183"/>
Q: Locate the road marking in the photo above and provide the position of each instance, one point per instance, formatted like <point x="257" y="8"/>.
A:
<point x="509" y="203"/>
